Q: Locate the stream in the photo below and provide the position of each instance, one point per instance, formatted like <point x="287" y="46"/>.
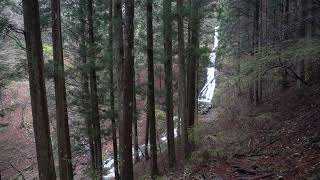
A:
<point x="109" y="162"/>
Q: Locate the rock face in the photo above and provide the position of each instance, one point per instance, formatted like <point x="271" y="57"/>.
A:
<point x="204" y="107"/>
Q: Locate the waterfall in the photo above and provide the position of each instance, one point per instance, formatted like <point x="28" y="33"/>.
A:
<point x="206" y="94"/>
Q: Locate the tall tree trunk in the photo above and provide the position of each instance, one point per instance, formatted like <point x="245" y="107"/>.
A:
<point x="118" y="51"/>
<point x="135" y="125"/>
<point x="262" y="40"/>
<point x="126" y="165"/>
<point x="179" y="118"/>
<point x="150" y="93"/>
<point x="113" y="122"/>
<point x="167" y="23"/>
<point x="182" y="78"/>
<point x="196" y="92"/>
<point x="194" y="57"/>
<point x="309" y="19"/>
<point x="251" y="94"/>
<point x="314" y="31"/>
<point x="64" y="149"/>
<point x="117" y="46"/>
<point x="85" y="81"/>
<point x="94" y="95"/>
<point x="308" y="35"/>
<point x="146" y="140"/>
<point x="39" y="106"/>
<point x="114" y="125"/>
<point x="284" y="24"/>
<point x="299" y="17"/>
<point x="256" y="46"/>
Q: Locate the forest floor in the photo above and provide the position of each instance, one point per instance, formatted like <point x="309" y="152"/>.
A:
<point x="17" y="147"/>
<point x="279" y="139"/>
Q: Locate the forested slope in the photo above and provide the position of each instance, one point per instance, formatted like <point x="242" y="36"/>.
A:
<point x="279" y="139"/>
<point x="143" y="89"/>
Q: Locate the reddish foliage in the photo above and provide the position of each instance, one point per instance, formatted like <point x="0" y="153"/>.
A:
<point x="16" y="146"/>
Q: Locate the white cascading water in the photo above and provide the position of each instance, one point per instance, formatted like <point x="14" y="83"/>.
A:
<point x="206" y="94"/>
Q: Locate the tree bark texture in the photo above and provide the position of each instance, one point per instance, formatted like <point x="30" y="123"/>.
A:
<point x="112" y="98"/>
<point x="39" y="106"/>
<point x="167" y="33"/>
<point x="64" y="148"/>
<point x="150" y="93"/>
<point x="182" y="78"/>
<point x="126" y="164"/>
<point x="94" y="95"/>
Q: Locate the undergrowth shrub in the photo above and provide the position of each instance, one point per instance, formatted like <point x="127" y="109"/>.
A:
<point x="274" y="66"/>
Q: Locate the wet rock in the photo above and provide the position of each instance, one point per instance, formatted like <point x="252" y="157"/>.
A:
<point x="204" y="108"/>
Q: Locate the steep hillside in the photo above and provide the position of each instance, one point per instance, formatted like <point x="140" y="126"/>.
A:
<point x="279" y="139"/>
